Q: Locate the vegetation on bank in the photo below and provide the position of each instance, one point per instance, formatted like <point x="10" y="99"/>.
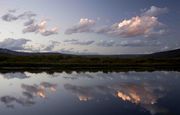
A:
<point x="86" y="62"/>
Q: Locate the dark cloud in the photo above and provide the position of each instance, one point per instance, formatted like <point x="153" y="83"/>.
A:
<point x="10" y="100"/>
<point x="27" y="15"/>
<point x="77" y="52"/>
<point x="29" y="22"/>
<point x="10" y="16"/>
<point x="51" y="46"/>
<point x="30" y="26"/>
<point x="28" y="95"/>
<point x="105" y="43"/>
<point x="48" y="85"/>
<point x="77" y="42"/>
<point x="13" y="44"/>
<point x="83" y="93"/>
<point x="18" y="75"/>
<point x="139" y="43"/>
<point x="12" y="10"/>
<point x="67" y="50"/>
<point x="84" y="25"/>
<point x="129" y="43"/>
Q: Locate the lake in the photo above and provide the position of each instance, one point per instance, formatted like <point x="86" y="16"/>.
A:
<point x="90" y="93"/>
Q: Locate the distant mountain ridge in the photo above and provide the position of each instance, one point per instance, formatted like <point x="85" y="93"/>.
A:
<point x="168" y="54"/>
<point x="10" y="52"/>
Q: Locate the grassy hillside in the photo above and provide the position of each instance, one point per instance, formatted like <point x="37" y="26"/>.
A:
<point x="162" y="60"/>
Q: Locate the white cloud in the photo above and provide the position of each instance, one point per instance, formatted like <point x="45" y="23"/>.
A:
<point x="84" y="25"/>
<point x="50" y="32"/>
<point x="145" y="25"/>
<point x="136" y="26"/>
<point x="155" y="11"/>
<point x="39" y="28"/>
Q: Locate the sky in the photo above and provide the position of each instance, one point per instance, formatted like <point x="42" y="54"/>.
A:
<point x="90" y="26"/>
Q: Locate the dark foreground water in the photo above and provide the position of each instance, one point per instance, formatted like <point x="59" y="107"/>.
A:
<point x="86" y="93"/>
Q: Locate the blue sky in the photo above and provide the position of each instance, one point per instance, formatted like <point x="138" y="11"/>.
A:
<point x="90" y="26"/>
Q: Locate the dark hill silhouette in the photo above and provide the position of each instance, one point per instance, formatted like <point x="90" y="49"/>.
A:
<point x="164" y="54"/>
<point x="167" y="60"/>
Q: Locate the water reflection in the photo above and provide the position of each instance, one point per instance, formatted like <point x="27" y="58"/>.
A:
<point x="28" y="94"/>
<point x="37" y="90"/>
<point x="143" y="95"/>
<point x="144" y="90"/>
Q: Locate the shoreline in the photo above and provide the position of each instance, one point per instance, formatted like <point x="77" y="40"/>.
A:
<point x="90" y="68"/>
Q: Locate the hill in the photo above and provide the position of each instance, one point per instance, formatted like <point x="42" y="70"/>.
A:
<point x="19" y="60"/>
<point x="164" y="54"/>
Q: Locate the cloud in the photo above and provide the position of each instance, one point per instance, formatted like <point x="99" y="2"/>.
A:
<point x="155" y="11"/>
<point x="136" y="26"/>
<point x="50" y="32"/>
<point x="17" y="75"/>
<point x="67" y="50"/>
<point x="84" y="25"/>
<point x="76" y="52"/>
<point x="8" y="101"/>
<point x="77" y="42"/>
<point x="29" y="22"/>
<point x="140" y="94"/>
<point x="30" y="91"/>
<point x="13" y="44"/>
<point x="138" y="43"/>
<point x="104" y="43"/>
<point x="48" y="85"/>
<point x="146" y="25"/>
<point x="38" y="90"/>
<point x="27" y="15"/>
<point x="51" y="46"/>
<point x="83" y="93"/>
<point x="128" y="43"/>
<point x="12" y="10"/>
<point x="10" y="16"/>
<point x="31" y="26"/>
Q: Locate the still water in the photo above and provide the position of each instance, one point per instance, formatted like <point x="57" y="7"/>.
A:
<point x="90" y="93"/>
